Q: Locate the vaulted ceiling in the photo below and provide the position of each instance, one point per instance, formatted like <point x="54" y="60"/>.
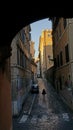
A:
<point x="12" y="22"/>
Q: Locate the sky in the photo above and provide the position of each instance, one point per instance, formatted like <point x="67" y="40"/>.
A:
<point x="36" y="29"/>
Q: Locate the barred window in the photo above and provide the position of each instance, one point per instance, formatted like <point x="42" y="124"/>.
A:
<point x="67" y="53"/>
<point x="61" y="58"/>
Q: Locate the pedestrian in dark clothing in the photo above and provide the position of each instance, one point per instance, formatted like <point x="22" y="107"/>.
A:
<point x="43" y="92"/>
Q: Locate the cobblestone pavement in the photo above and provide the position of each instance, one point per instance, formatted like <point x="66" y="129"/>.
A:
<point x="49" y="113"/>
<point x="26" y="110"/>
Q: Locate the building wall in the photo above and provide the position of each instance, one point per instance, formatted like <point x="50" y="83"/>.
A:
<point x="20" y="69"/>
<point x="45" y="49"/>
<point x="38" y="67"/>
<point x="5" y="98"/>
<point x="61" y="39"/>
<point x="41" y="54"/>
<point x="49" y="74"/>
<point x="23" y="68"/>
<point x="34" y="71"/>
<point x="48" y="51"/>
<point x="32" y="50"/>
<point x="70" y="33"/>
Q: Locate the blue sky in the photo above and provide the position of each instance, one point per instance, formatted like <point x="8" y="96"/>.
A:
<point x="36" y="29"/>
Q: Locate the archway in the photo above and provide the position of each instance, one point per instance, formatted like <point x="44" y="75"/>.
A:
<point x="5" y="89"/>
<point x="5" y="84"/>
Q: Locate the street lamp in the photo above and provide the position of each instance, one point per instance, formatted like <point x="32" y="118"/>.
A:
<point x="50" y="59"/>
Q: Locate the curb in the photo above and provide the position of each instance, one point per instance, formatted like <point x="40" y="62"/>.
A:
<point x="31" y="105"/>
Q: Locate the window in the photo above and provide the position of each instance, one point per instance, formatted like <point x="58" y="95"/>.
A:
<point x="67" y="53"/>
<point x="22" y="36"/>
<point x="18" y="55"/>
<point x="58" y="60"/>
<point x="61" y="58"/>
<point x="55" y="63"/>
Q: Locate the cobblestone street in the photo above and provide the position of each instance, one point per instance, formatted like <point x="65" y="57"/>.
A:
<point x="49" y="113"/>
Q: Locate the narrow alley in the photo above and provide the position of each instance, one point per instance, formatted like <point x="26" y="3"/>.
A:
<point x="49" y="113"/>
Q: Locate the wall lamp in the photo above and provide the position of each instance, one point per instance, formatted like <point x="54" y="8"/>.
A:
<point x="50" y="59"/>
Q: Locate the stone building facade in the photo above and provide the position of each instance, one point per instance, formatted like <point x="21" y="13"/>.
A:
<point x="62" y="50"/>
<point x="45" y="50"/>
<point x="21" y="68"/>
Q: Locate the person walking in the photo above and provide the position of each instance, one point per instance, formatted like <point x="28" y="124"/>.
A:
<point x="43" y="93"/>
